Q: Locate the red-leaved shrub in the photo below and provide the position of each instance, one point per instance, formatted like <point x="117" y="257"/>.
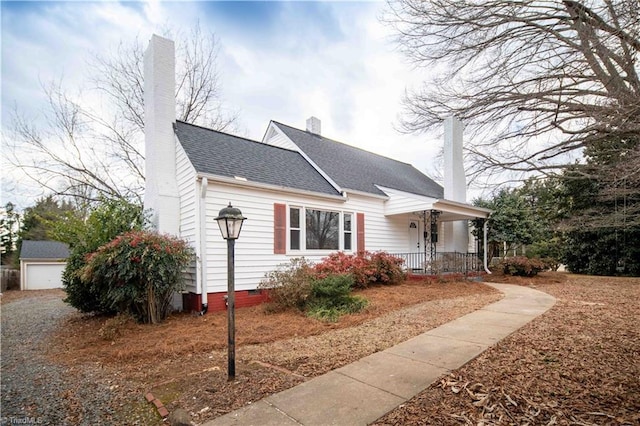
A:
<point x="365" y="268"/>
<point x="522" y="266"/>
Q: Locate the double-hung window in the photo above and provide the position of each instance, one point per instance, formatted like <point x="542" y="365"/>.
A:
<point x="318" y="229"/>
<point x="294" y="228"/>
<point x="348" y="230"/>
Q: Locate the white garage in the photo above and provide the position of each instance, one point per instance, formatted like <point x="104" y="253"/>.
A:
<point x="42" y="264"/>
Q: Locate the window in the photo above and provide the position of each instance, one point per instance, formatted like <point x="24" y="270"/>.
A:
<point x="294" y="228"/>
<point x="322" y="230"/>
<point x="313" y="229"/>
<point x="347" y="231"/>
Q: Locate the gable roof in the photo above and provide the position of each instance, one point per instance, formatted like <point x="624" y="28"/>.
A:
<point x="222" y="154"/>
<point x="361" y="170"/>
<point x="43" y="250"/>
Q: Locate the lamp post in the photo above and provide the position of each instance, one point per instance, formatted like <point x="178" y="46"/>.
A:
<point x="230" y="221"/>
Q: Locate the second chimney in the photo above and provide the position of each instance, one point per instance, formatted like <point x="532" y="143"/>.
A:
<point x="313" y="125"/>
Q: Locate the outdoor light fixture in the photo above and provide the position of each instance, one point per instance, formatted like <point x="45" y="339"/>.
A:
<point x="230" y="221"/>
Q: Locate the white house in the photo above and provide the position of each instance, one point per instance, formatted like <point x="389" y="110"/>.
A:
<point x="303" y="194"/>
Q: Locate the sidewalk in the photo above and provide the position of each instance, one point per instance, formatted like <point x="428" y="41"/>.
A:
<point x="362" y="392"/>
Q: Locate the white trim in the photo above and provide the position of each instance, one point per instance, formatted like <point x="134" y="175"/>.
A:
<point x="461" y="210"/>
<point x="365" y="194"/>
<point x="417" y="197"/>
<point x="24" y="263"/>
<point x="303" y="230"/>
<point x="306" y="157"/>
<point x="201" y="236"/>
<point x="401" y="202"/>
<point x="279" y="131"/>
<point x="269" y="187"/>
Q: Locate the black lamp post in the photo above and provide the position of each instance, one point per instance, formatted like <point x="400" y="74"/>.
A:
<point x="230" y="221"/>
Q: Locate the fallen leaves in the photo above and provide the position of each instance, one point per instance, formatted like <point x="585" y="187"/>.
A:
<point x="575" y="365"/>
<point x="493" y="406"/>
<point x="183" y="361"/>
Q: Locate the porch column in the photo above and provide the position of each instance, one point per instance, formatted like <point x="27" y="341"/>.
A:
<point x="484" y="242"/>
<point x="433" y="216"/>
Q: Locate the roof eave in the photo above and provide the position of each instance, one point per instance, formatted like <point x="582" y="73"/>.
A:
<point x="365" y="194"/>
<point x="309" y="160"/>
<point x="269" y="187"/>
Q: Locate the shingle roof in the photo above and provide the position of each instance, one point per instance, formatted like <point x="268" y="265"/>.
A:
<point x="360" y="170"/>
<point x="221" y="154"/>
<point x="43" y="250"/>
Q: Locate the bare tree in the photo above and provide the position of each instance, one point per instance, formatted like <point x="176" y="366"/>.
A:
<point x="85" y="152"/>
<point x="535" y="81"/>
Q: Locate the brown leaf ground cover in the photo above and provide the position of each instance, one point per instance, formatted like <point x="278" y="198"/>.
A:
<point x="183" y="361"/>
<point x="578" y="364"/>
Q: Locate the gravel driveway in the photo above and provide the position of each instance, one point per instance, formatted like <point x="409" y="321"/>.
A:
<point x="34" y="390"/>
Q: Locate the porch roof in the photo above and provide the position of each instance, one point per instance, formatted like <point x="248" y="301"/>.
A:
<point x="401" y="203"/>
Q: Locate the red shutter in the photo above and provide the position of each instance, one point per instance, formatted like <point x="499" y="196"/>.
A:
<point x="279" y="229"/>
<point x="360" y="227"/>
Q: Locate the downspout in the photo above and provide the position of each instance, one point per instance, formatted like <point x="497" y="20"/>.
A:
<point x="203" y="244"/>
<point x="484" y="242"/>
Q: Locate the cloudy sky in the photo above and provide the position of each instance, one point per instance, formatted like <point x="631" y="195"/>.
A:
<point x="284" y="61"/>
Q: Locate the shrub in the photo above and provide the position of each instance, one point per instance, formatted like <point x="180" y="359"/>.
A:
<point x="522" y="266"/>
<point x="350" y="305"/>
<point x="289" y="285"/>
<point x="388" y="268"/>
<point x="138" y="272"/>
<point x="549" y="251"/>
<point x="550" y="263"/>
<point x="330" y="298"/>
<point x="333" y="287"/>
<point x="105" y="222"/>
<point x="295" y="285"/>
<point x="365" y="268"/>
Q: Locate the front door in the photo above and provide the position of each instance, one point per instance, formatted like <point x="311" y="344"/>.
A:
<point x="415" y="246"/>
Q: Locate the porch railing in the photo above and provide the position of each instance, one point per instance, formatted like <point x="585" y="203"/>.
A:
<point x="442" y="263"/>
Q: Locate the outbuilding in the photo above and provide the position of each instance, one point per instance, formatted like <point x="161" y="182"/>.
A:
<point x="42" y="264"/>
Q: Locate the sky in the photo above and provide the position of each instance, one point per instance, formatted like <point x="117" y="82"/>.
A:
<point x="283" y="61"/>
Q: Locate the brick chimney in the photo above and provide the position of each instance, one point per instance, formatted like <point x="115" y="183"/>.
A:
<point x="313" y="125"/>
<point x="161" y="188"/>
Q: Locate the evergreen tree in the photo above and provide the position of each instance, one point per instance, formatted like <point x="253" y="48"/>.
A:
<point x="8" y="233"/>
<point x="603" y="225"/>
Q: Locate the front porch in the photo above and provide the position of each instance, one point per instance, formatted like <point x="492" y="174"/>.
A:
<point x="439" y="239"/>
<point x="442" y="263"/>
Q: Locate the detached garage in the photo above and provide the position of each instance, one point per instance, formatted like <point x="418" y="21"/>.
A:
<point x="42" y="264"/>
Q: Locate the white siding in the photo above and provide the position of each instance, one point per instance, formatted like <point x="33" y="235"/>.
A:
<point x="388" y="233"/>
<point x="254" y="248"/>
<point x="275" y="137"/>
<point x="402" y="202"/>
<point x="188" y="193"/>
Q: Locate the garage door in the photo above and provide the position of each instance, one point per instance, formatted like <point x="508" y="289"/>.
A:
<point x="44" y="276"/>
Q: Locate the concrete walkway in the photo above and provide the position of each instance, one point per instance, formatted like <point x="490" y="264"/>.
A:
<point x="362" y="392"/>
